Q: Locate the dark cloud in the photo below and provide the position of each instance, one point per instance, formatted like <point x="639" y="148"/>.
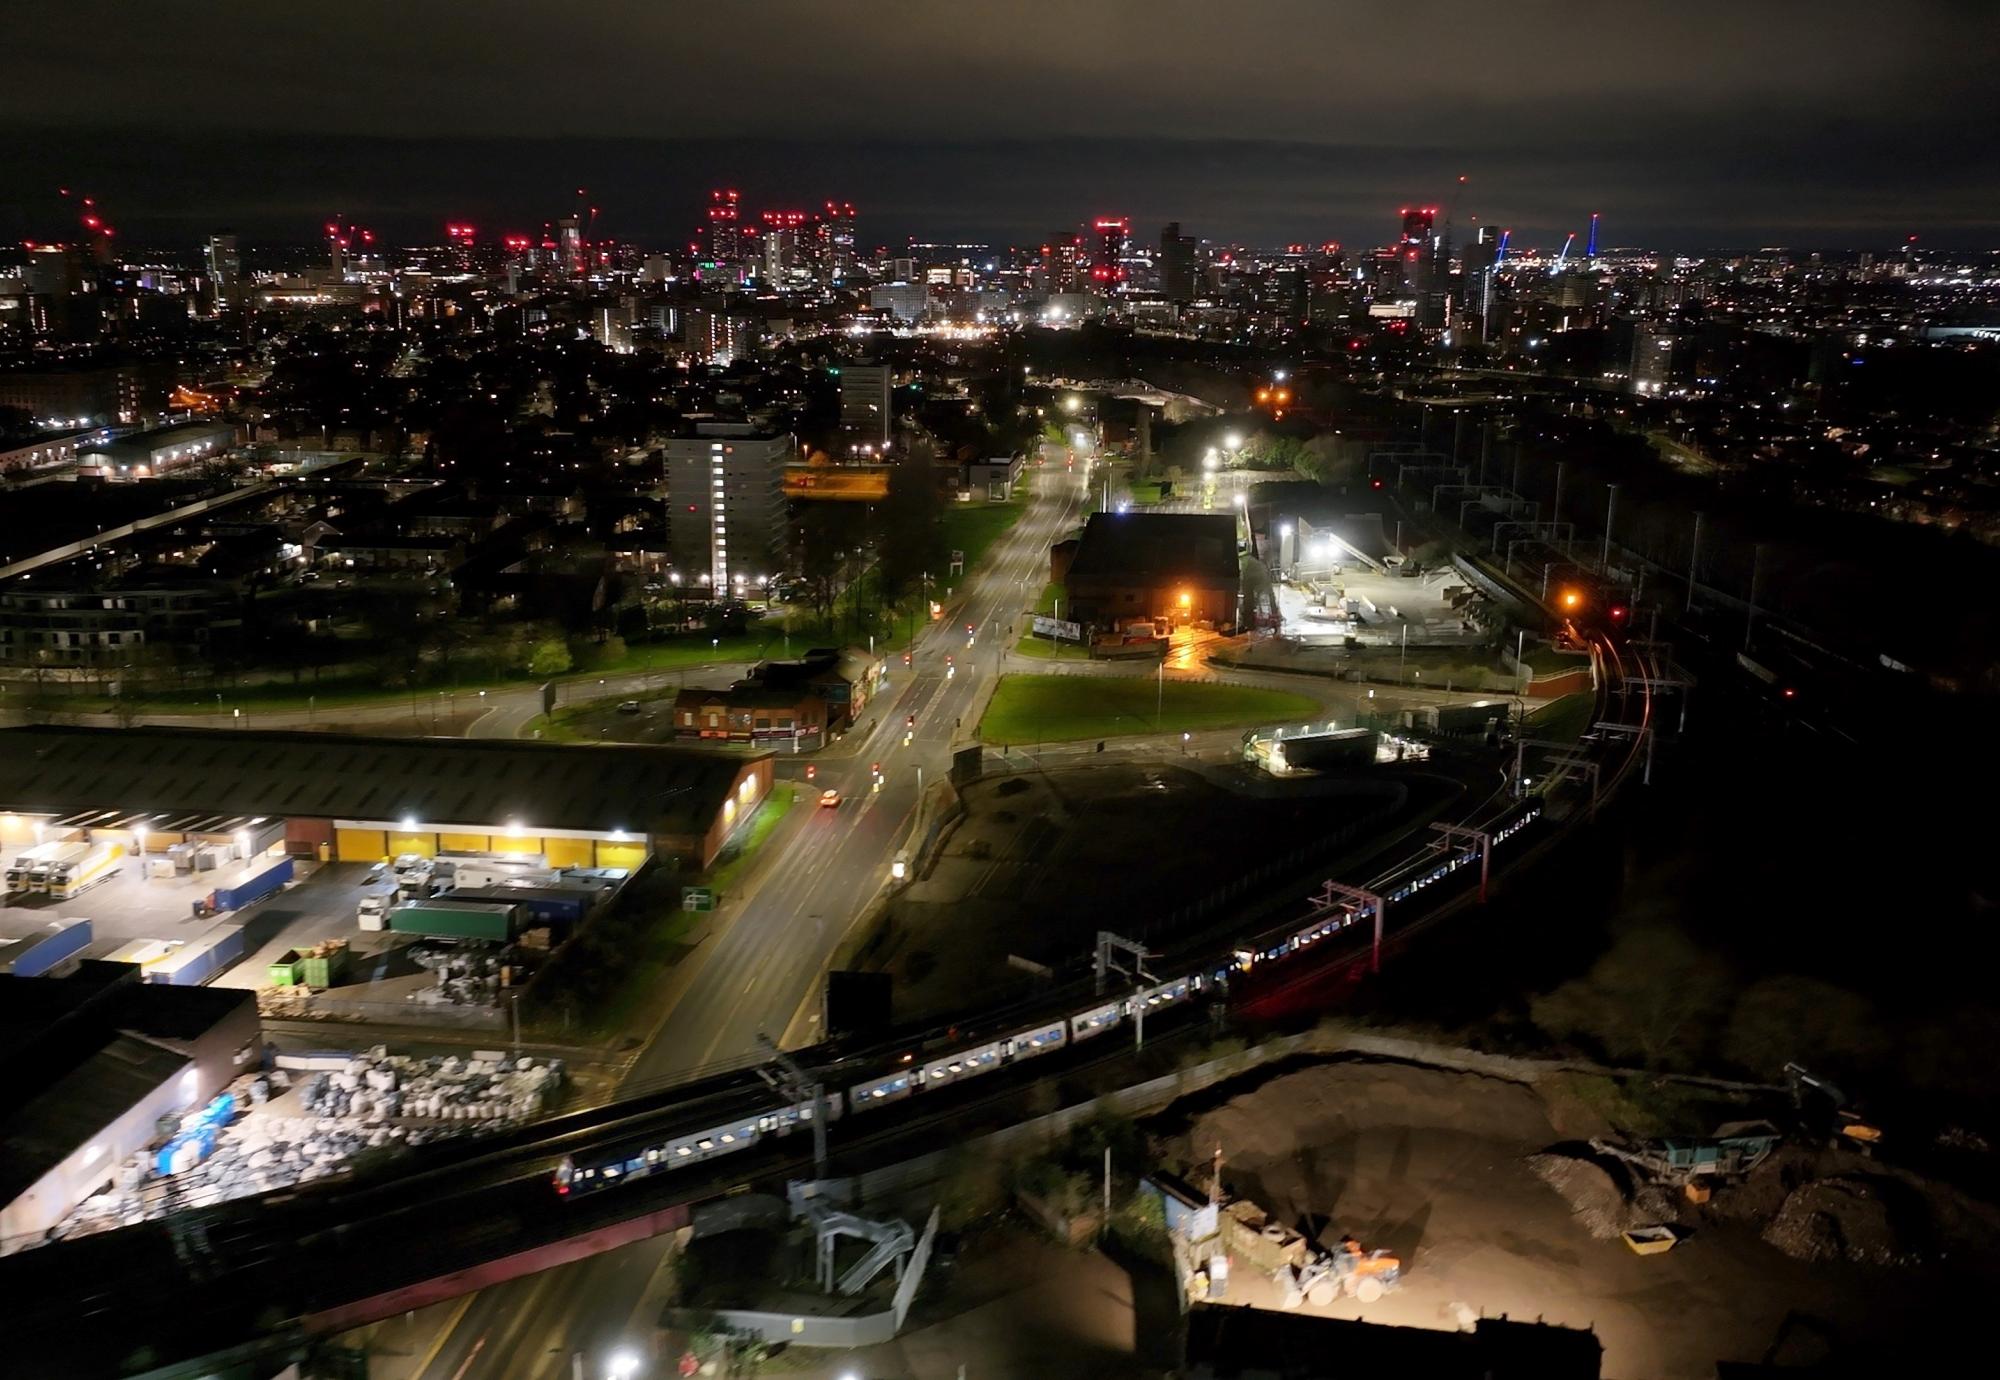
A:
<point x="1692" y="123"/>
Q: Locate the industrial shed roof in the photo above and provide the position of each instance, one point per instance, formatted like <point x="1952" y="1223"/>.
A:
<point x="438" y="781"/>
<point x="1150" y="546"/>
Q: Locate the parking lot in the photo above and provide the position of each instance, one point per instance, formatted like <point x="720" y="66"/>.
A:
<point x="133" y="906"/>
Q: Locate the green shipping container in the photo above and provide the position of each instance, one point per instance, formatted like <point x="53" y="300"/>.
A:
<point x="285" y="972"/>
<point x="458" y="920"/>
<point x="325" y="971"/>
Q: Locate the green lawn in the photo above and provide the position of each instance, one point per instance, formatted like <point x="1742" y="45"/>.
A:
<point x="739" y="854"/>
<point x="1031" y="709"/>
<point x="974" y="526"/>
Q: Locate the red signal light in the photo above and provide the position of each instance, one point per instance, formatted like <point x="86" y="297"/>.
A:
<point x="1374" y="483"/>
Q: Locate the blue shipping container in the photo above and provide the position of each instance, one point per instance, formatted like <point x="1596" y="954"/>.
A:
<point x="548" y="905"/>
<point x="195" y="962"/>
<point x="52" y="950"/>
<point x="253" y="884"/>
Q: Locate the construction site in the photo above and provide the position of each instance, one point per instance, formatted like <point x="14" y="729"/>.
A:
<point x="1447" y="1195"/>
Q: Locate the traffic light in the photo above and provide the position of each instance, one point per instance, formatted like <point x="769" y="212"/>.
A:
<point x="1618" y="613"/>
<point x="1374" y="483"/>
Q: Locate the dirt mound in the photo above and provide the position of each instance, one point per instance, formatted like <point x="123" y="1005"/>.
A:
<point x="1293" y="1140"/>
<point x="1594" y="1191"/>
<point x="1856" y="1219"/>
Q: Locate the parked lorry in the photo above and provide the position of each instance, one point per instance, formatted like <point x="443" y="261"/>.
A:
<point x="55" y="945"/>
<point x="446" y="919"/>
<point x="469" y="873"/>
<point x="257" y="880"/>
<point x="373" y="913"/>
<point x="200" y="959"/>
<point x="44" y="868"/>
<point x="560" y="907"/>
<point x="20" y="872"/>
<point x="74" y="876"/>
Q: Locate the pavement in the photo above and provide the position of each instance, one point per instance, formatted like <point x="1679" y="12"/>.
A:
<point x="758" y="970"/>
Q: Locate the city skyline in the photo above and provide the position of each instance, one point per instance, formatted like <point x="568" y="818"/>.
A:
<point x="1736" y="130"/>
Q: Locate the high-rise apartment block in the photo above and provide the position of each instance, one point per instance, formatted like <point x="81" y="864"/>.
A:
<point x="726" y="503"/>
<point x="864" y="406"/>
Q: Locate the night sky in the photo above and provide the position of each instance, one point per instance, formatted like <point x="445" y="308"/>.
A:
<point x="1698" y="123"/>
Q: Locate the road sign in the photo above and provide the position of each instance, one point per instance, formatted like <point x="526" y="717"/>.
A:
<point x="697" y="898"/>
<point x="1045" y="626"/>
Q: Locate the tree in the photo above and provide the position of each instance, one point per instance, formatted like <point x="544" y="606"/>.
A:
<point x="912" y="543"/>
<point x="550" y="657"/>
<point x="1654" y="996"/>
<point x="1795" y="1017"/>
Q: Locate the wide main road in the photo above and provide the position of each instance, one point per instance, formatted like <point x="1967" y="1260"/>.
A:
<point x="760" y="973"/>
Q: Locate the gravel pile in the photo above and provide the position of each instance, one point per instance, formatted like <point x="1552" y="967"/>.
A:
<point x="1595" y="1195"/>
<point x="1850" y="1218"/>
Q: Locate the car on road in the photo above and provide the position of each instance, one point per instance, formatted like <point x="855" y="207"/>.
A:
<point x="829" y="799"/>
<point x="628" y="706"/>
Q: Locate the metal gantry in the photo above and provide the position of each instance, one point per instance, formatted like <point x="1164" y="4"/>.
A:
<point x="1459" y="833"/>
<point x="1334" y="893"/>
<point x="1109" y="947"/>
<point x="796" y="1085"/>
<point x="1643" y="732"/>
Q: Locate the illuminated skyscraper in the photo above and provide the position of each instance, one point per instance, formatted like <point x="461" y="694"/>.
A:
<point x="1063" y="261"/>
<point x="725" y="234"/>
<point x="1107" y="270"/>
<point x="225" y="269"/>
<point x="837" y="239"/>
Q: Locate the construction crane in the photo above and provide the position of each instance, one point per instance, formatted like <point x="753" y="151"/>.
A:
<point x="1500" y="251"/>
<point x="97" y="231"/>
<point x="1590" y="245"/>
<point x="1563" y="257"/>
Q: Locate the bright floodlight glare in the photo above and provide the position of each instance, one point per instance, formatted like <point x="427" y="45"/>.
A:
<point x="1280" y="376"/>
<point x="1233" y="441"/>
<point x="1072" y="403"/>
<point x="624" y="1364"/>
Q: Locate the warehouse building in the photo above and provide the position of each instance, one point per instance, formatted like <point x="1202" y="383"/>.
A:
<point x="143" y="454"/>
<point x="353" y="799"/>
<point x="89" y="1064"/>
<point x="1179" y="568"/>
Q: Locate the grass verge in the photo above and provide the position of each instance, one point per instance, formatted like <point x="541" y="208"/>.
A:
<point x="1049" y="709"/>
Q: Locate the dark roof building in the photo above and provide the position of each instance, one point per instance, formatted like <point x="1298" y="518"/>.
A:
<point x="1254" y="1344"/>
<point x="88" y="1065"/>
<point x="1180" y="567"/>
<point x="684" y="800"/>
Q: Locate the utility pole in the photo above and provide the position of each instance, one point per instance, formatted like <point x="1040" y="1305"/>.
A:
<point x="1610" y="511"/>
<point x="1485" y="436"/>
<point x="1756" y="569"/>
<point x="1694" y="557"/>
<point x="1555" y="513"/>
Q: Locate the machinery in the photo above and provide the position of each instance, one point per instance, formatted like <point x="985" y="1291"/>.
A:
<point x="1825" y="1111"/>
<point x="1681" y="1161"/>
<point x="1347" y="1272"/>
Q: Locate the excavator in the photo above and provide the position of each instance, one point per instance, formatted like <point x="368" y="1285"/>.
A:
<point x="1824" y="1110"/>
